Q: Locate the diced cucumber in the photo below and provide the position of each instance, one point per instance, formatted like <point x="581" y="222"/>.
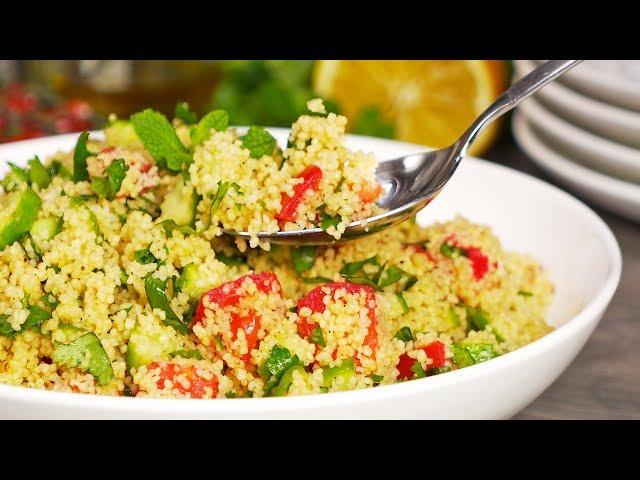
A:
<point x="150" y="342"/>
<point x="45" y="229"/>
<point x="283" y="386"/>
<point x="121" y="133"/>
<point x="14" y="178"/>
<point x="193" y="282"/>
<point x="38" y="174"/>
<point x="339" y="375"/>
<point x="18" y="210"/>
<point x="180" y="205"/>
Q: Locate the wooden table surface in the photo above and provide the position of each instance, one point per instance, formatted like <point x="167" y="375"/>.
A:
<point x="603" y="382"/>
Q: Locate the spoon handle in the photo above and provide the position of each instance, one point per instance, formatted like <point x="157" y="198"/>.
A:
<point x="517" y="92"/>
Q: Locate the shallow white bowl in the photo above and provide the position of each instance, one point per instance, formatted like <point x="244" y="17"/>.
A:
<point x="604" y="119"/>
<point x="608" y="192"/>
<point x="572" y="242"/>
<point x="596" y="152"/>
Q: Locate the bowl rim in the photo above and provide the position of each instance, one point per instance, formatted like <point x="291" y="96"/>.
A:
<point x="589" y="314"/>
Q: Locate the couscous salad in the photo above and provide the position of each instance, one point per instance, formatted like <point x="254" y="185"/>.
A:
<point x="116" y="277"/>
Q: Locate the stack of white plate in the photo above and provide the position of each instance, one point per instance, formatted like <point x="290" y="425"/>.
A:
<point x="584" y="131"/>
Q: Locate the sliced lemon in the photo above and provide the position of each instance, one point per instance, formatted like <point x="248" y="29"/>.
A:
<point x="430" y="102"/>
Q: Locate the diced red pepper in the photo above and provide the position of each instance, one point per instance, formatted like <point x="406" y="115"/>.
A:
<point x="314" y="300"/>
<point x="229" y="294"/>
<point x="435" y="351"/>
<point x="423" y="251"/>
<point x="311" y="180"/>
<point x="370" y="192"/>
<point x="108" y="149"/>
<point x="197" y="384"/>
<point x="479" y="261"/>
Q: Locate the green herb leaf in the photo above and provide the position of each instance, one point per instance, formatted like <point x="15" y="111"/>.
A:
<point x="418" y="371"/>
<point x="223" y="188"/>
<point x="50" y="300"/>
<point x="259" y="142"/>
<point x="313" y="280"/>
<point x="363" y="281"/>
<point x="394" y="274"/>
<point x="354" y="267"/>
<point x="525" y="293"/>
<point x="317" y="337"/>
<point x="376" y="379"/>
<point x="107" y="187"/>
<point x="450" y="250"/>
<point x="157" y="298"/>
<point x="286" y="380"/>
<point x="477" y="319"/>
<point x="329" y="221"/>
<point x="80" y="155"/>
<point x="217" y="120"/>
<point x="86" y="353"/>
<point x="144" y="256"/>
<point x="279" y="361"/>
<point x="95" y="226"/>
<point x="303" y="258"/>
<point x="403" y="302"/>
<point x="231" y="260"/>
<point x="79" y="200"/>
<point x="186" y="354"/>
<point x="454" y="318"/>
<point x="370" y="122"/>
<point x="170" y="225"/>
<point x="160" y="139"/>
<point x="184" y="113"/>
<point x="405" y="334"/>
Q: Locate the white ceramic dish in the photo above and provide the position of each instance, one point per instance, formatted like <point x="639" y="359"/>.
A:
<point x="572" y="242"/>
<point x="601" y="118"/>
<point x="586" y="148"/>
<point x="610" y="193"/>
<point x="612" y="81"/>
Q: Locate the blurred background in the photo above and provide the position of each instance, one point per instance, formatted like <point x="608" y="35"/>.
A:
<point x="428" y="102"/>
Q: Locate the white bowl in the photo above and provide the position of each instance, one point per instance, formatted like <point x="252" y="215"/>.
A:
<point x="586" y="148"/>
<point x="572" y="242"/>
<point x="613" y="194"/>
<point x="598" y="117"/>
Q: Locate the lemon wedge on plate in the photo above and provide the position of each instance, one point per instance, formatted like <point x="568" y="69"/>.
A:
<point x="430" y="102"/>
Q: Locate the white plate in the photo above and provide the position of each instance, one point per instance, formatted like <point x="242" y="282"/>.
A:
<point x="596" y="152"/>
<point x="610" y="193"/>
<point x="528" y="215"/>
<point x="598" y="117"/>
<point x="612" y="81"/>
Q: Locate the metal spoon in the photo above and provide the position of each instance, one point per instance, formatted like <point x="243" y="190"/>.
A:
<point x="412" y="181"/>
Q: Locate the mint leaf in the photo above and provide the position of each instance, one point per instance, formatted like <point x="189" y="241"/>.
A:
<point x="107" y="187"/>
<point x="370" y="122"/>
<point x="184" y="113"/>
<point x="394" y="274"/>
<point x="259" y="142"/>
<point x="405" y="334"/>
<point x="223" y="187"/>
<point x="354" y="267"/>
<point x="86" y="353"/>
<point x="160" y="139"/>
<point x="450" y="251"/>
<point x="157" y="298"/>
<point x="144" y="256"/>
<point x="217" y="119"/>
<point x="279" y="361"/>
<point x="303" y="257"/>
<point x="186" y="354"/>
<point x="80" y="155"/>
<point x="403" y="302"/>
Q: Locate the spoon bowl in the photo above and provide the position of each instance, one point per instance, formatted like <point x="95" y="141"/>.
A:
<point x="410" y="182"/>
